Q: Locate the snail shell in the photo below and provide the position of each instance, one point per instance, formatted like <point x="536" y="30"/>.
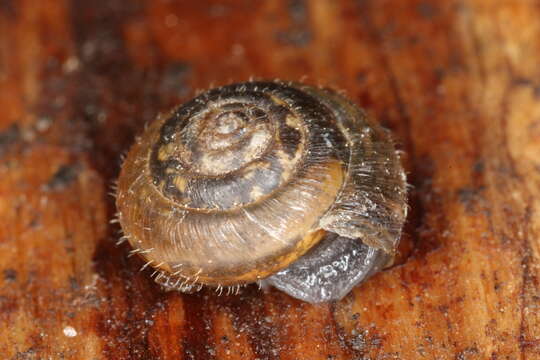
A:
<point x="264" y="181"/>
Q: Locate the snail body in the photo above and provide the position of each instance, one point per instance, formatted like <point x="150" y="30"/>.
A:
<point x="278" y="183"/>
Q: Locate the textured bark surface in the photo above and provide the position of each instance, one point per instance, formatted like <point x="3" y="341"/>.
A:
<point x="458" y="82"/>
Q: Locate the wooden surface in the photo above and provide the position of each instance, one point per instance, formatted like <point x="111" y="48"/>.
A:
<point x="458" y="82"/>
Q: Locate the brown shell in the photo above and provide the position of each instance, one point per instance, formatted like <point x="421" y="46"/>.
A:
<point x="239" y="182"/>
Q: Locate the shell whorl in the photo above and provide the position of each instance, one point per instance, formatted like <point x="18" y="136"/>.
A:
<point x="227" y="149"/>
<point x="232" y="186"/>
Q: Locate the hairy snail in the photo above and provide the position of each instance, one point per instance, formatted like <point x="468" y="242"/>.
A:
<point x="279" y="183"/>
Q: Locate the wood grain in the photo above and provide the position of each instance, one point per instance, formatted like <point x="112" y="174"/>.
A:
<point x="458" y="82"/>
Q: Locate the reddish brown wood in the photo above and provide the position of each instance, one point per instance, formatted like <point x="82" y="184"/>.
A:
<point x="457" y="81"/>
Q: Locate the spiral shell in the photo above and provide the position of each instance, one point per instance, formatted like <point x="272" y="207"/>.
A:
<point x="240" y="182"/>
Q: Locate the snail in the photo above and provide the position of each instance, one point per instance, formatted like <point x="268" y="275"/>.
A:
<point x="281" y="184"/>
